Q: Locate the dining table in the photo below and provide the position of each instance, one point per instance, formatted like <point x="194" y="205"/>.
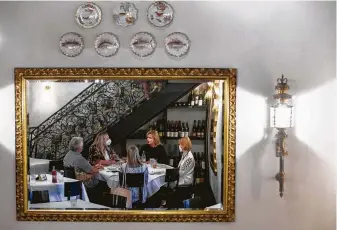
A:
<point x="55" y="190"/>
<point x="156" y="176"/>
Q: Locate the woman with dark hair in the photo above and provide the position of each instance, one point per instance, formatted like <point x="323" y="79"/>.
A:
<point x="154" y="149"/>
<point x="100" y="151"/>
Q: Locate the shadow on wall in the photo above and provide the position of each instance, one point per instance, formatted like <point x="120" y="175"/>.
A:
<point x="309" y="199"/>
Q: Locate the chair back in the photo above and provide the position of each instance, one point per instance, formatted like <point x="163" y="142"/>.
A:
<point x="114" y="201"/>
<point x="172" y="175"/>
<point x="69" y="172"/>
<point x="73" y="189"/>
<point x="135" y="180"/>
<point x="40" y="197"/>
<point x="57" y="163"/>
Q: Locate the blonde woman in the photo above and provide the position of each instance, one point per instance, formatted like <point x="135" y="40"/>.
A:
<point x="100" y="151"/>
<point x="134" y="165"/>
<point x="153" y="148"/>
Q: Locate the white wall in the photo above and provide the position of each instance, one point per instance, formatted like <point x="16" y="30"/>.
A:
<point x="42" y="103"/>
<point x="262" y="40"/>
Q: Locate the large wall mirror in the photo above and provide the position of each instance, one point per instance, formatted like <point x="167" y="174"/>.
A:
<point x="102" y="144"/>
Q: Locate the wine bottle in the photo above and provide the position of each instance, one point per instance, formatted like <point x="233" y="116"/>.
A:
<point x="159" y="129"/>
<point x="203" y="163"/>
<point x="192" y="98"/>
<point x="176" y="132"/>
<point x="182" y="132"/>
<point x="203" y="128"/>
<point x="202" y="176"/>
<point x="168" y="133"/>
<point x="196" y="99"/>
<point x="199" y="129"/>
<point x="54" y="175"/>
<point x="186" y="130"/>
<point x="194" y="129"/>
<point x="200" y="101"/>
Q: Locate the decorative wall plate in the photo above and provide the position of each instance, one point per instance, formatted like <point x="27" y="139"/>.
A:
<point x="71" y="44"/>
<point x="125" y="14"/>
<point x="88" y="15"/>
<point x="177" y="44"/>
<point x="106" y="44"/>
<point x="160" y="14"/>
<point x="143" y="44"/>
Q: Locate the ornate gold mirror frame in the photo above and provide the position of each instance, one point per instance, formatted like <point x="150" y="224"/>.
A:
<point x="79" y="74"/>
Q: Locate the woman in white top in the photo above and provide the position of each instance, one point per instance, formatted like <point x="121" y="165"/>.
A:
<point x="186" y="172"/>
<point x="187" y="162"/>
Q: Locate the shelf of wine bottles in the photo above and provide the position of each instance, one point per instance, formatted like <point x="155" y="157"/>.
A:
<point x="174" y="130"/>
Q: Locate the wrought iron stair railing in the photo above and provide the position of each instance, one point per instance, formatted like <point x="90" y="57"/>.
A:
<point x="97" y="107"/>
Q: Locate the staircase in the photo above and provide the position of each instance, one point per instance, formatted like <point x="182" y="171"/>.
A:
<point x="118" y="107"/>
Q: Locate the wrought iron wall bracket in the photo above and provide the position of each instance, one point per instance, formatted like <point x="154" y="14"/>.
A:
<point x="281" y="152"/>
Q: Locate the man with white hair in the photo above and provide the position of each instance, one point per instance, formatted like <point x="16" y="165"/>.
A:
<point x="84" y="171"/>
<point x="74" y="158"/>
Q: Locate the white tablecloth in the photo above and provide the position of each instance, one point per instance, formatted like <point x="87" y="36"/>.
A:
<point x="38" y="165"/>
<point x="215" y="207"/>
<point x="56" y="190"/>
<point x="67" y="205"/>
<point x="156" y="178"/>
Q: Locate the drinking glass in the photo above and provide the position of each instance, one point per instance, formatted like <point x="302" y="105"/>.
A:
<point x="143" y="158"/>
<point x="73" y="201"/>
<point x="154" y="163"/>
<point x="32" y="178"/>
<point x="61" y="176"/>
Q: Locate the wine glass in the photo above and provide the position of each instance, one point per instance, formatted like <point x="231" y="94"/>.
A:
<point x="143" y="157"/>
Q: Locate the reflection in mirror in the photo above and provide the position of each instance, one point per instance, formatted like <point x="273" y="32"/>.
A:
<point x="125" y="144"/>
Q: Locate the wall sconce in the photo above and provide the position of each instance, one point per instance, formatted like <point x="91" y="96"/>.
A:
<point x="281" y="118"/>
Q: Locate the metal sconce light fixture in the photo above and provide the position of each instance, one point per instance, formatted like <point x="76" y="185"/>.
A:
<point x="281" y="118"/>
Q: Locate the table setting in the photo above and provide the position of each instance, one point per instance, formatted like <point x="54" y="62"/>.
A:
<point x="156" y="175"/>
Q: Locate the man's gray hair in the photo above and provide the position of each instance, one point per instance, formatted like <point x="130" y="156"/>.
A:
<point x="75" y="143"/>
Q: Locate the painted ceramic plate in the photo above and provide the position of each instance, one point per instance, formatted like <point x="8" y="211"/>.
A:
<point x="160" y="14"/>
<point x="143" y="44"/>
<point x="106" y="44"/>
<point x="177" y="44"/>
<point x="71" y="44"/>
<point x="125" y="14"/>
<point x="88" y="15"/>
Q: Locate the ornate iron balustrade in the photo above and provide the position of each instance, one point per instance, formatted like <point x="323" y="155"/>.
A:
<point x="93" y="110"/>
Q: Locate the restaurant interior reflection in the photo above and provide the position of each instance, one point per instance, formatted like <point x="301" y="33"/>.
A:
<point x="125" y="144"/>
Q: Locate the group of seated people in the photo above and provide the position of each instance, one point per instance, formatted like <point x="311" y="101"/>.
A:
<point x="101" y="154"/>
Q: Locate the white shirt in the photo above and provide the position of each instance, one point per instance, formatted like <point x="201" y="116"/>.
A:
<point x="186" y="169"/>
